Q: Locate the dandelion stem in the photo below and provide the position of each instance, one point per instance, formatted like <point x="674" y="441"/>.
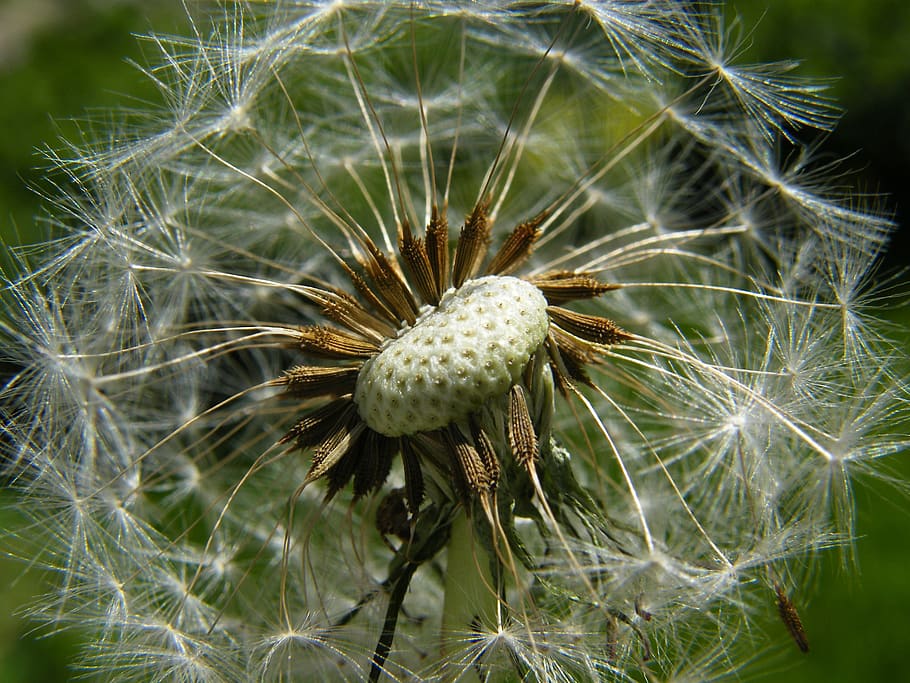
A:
<point x="470" y="593"/>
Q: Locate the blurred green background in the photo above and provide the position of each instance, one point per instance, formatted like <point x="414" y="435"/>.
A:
<point x="61" y="58"/>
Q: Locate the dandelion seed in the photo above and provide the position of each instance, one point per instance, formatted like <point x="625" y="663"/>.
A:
<point x="790" y="617"/>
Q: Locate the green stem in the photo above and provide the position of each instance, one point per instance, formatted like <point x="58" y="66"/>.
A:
<point x="470" y="590"/>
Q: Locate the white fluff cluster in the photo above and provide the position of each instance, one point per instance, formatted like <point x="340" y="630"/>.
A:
<point x="690" y="475"/>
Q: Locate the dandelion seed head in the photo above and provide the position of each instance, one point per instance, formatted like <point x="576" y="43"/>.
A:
<point x="473" y="346"/>
<point x="275" y="419"/>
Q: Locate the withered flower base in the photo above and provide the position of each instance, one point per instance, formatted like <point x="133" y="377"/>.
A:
<point x="426" y="366"/>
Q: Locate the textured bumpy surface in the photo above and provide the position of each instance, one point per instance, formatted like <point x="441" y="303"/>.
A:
<point x="471" y="347"/>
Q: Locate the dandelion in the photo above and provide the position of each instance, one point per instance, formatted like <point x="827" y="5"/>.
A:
<point x="446" y="342"/>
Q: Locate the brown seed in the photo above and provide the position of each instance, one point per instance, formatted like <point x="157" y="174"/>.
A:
<point x="313" y="427"/>
<point x="522" y="439"/>
<point x="331" y="343"/>
<point x="345" y="310"/>
<point x="471" y="465"/>
<point x="577" y="350"/>
<point x="562" y="374"/>
<point x="339" y="474"/>
<point x="790" y="617"/>
<point x="569" y="358"/>
<point x="376" y="304"/>
<point x="472" y="244"/>
<point x="591" y="328"/>
<point x="390" y="286"/>
<point x="517" y="247"/>
<point x="487" y="453"/>
<point x="335" y="446"/>
<point x="438" y="250"/>
<point x="417" y="261"/>
<point x="309" y="381"/>
<point x="562" y="286"/>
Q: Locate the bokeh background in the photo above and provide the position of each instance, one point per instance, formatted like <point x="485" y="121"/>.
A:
<point x="62" y="60"/>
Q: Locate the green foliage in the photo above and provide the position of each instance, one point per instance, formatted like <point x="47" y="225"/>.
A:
<point x="864" y="46"/>
<point x="78" y="61"/>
